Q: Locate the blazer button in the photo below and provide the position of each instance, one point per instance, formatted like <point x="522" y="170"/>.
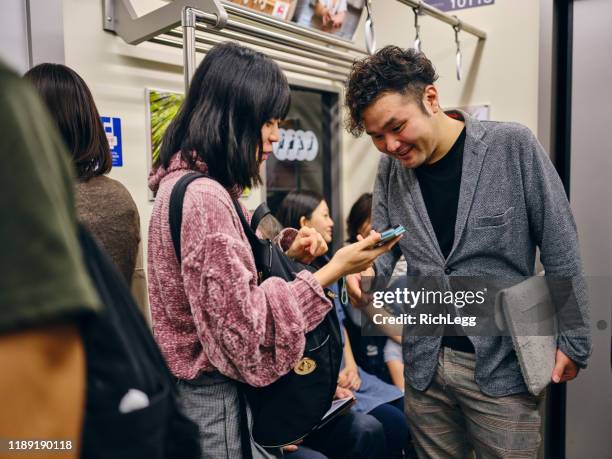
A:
<point x="447" y="270"/>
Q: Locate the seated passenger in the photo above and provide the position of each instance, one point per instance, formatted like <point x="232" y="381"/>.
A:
<point x="104" y="205"/>
<point x="214" y="323"/>
<point x="378" y="355"/>
<point x="375" y="397"/>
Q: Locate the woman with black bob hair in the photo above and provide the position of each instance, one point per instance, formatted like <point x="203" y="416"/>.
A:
<point x="298" y="207"/>
<point x="104" y="205"/>
<point x="226" y="112"/>
<point x="212" y="319"/>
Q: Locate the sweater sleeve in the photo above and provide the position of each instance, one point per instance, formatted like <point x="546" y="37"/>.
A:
<point x="250" y="333"/>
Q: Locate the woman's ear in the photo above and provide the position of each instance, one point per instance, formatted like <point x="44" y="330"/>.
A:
<point x="303" y="221"/>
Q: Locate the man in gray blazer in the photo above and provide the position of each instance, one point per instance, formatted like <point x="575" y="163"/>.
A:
<point x="477" y="198"/>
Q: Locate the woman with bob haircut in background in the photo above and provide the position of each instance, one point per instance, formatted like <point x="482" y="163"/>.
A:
<point x="104" y="205"/>
<point x="215" y="325"/>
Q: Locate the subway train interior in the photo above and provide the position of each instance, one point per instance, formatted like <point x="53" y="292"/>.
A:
<point x="545" y="64"/>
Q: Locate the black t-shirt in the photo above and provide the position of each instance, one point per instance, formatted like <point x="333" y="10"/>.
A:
<point x="440" y="183"/>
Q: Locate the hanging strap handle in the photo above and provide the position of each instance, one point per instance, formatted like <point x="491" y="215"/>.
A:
<point x="370" y="37"/>
<point x="457" y="28"/>
<point x="417" y="27"/>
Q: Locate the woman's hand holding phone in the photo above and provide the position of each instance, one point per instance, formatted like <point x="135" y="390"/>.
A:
<point x="354" y="258"/>
<point x="353" y="281"/>
<point x="389" y="234"/>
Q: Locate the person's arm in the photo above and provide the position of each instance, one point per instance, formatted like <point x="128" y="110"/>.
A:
<point x="139" y="285"/>
<point x="252" y="333"/>
<point x="349" y="375"/>
<point x="43" y="385"/>
<point x="396" y="371"/>
<point x="553" y="227"/>
<point x="395" y="363"/>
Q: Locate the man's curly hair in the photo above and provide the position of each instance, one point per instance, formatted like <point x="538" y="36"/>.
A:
<point x="391" y="69"/>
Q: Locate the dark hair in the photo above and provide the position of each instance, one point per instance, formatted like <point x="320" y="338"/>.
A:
<point x="391" y="69"/>
<point x="234" y="92"/>
<point x="298" y="204"/>
<point x="69" y="100"/>
<point x="360" y="212"/>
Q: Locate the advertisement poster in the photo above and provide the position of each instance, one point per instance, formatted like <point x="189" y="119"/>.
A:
<point x="282" y="9"/>
<point x="338" y="17"/>
<point x="162" y="108"/>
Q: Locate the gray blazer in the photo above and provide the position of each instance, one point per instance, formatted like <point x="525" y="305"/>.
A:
<point x="511" y="201"/>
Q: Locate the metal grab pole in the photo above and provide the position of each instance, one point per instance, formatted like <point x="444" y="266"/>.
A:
<point x="203" y="45"/>
<point x="188" y="22"/>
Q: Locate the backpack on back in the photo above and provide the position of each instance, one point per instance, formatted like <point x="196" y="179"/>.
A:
<point x="125" y="367"/>
<point x="288" y="409"/>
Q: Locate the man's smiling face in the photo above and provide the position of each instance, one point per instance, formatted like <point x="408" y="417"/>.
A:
<point x="400" y="128"/>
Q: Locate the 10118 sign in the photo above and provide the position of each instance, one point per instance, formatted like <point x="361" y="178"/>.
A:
<point x="449" y="5"/>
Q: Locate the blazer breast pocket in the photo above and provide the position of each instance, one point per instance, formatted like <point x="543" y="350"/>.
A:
<point x="493" y="221"/>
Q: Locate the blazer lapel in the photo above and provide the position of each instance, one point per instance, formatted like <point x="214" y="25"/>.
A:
<point x="473" y="158"/>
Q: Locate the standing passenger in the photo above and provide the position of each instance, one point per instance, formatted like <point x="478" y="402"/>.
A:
<point x="478" y="198"/>
<point x="378" y="355"/>
<point x="104" y="205"/>
<point x="45" y="290"/>
<point x="214" y="323"/>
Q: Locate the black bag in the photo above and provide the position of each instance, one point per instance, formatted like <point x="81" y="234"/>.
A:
<point x="288" y="409"/>
<point x="121" y="354"/>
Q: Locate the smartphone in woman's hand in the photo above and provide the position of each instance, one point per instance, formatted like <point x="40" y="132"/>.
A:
<point x="390" y="234"/>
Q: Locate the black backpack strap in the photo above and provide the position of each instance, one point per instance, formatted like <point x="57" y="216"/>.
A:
<point x="176" y="213"/>
<point x="250" y="233"/>
<point x="176" y="209"/>
<point x="261" y="211"/>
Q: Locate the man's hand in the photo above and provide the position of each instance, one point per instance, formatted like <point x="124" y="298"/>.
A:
<point x="349" y="378"/>
<point x="307" y="245"/>
<point x="353" y="288"/>
<point x="565" y="368"/>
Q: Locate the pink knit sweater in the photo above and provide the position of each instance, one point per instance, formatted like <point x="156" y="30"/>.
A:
<point x="210" y="313"/>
